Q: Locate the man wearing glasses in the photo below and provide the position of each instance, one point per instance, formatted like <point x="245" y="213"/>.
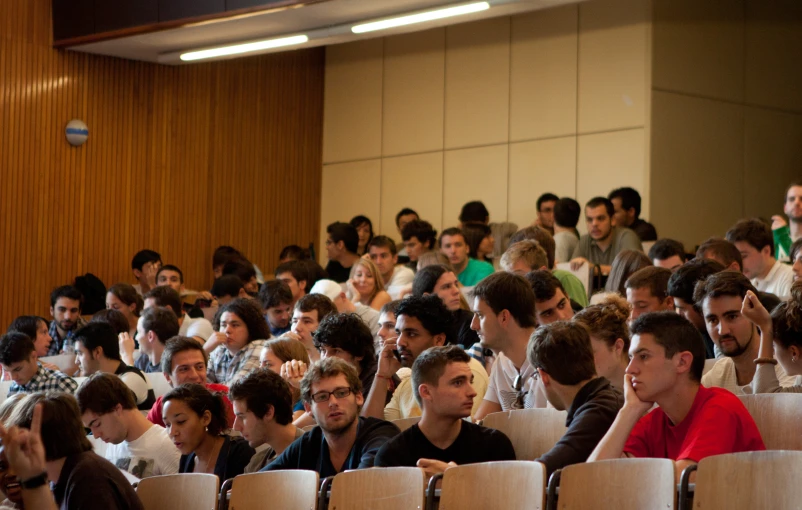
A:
<point x="332" y="393"/>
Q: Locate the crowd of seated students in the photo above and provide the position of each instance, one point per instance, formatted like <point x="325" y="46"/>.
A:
<point x="387" y="331"/>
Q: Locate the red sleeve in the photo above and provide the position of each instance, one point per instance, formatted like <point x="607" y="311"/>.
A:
<point x="639" y="442"/>
<point x="713" y="432"/>
<point x="229" y="411"/>
<point x="155" y="413"/>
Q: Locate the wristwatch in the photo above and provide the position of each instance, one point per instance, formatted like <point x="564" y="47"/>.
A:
<point x="35" y="482"/>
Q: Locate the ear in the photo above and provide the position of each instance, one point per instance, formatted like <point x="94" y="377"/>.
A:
<point x="669" y="302"/>
<point x="766" y="251"/>
<point x="34" y="357"/>
<point x="427" y="293"/>
<point x="544" y="268"/>
<point x="425" y="392"/>
<point x="206" y="419"/>
<point x="151" y="336"/>
<point x="340" y="245"/>
<point x="440" y="339"/>
<point x="118" y="409"/>
<point x="138" y="274"/>
<point x="242" y="293"/>
<point x="735" y="267"/>
<point x="545" y="377"/>
<point x="169" y="379"/>
<point x="52" y="312"/>
<point x="96" y="352"/>
<point x="683" y="361"/>
<point x="794" y="351"/>
<point x="132" y="307"/>
<point x="307" y="407"/>
<point x="612" y="220"/>
<point x="270" y="414"/>
<point x="395" y="259"/>
<point x="302" y="285"/>
<point x="618" y="346"/>
<point x="360" y="399"/>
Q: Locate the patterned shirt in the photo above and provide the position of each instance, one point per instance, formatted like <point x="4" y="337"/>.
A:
<point x="226" y="368"/>
<point x="63" y="345"/>
<point x="45" y="379"/>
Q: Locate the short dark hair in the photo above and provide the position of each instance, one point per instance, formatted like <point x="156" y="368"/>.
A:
<point x="684" y="279"/>
<point x="546" y="197"/>
<point x="786" y="319"/>
<point x="563" y="350"/>
<point x="654" y="278"/>
<point x="544" y="284"/>
<point x="298" y="269"/>
<point x="630" y="199"/>
<point x="223" y="254"/>
<point x="99" y="334"/>
<point x="348" y="332"/>
<point x="101" y="393"/>
<point x="251" y="316"/>
<point x="171" y="267"/>
<point x="27" y="325"/>
<point x="241" y="267"/>
<point x="666" y="248"/>
<point x="62" y="430"/>
<point x="176" y="345"/>
<point x="391" y="307"/>
<point x="426" y="278"/>
<point x="721" y="249"/>
<point x="675" y="334"/>
<point x="543" y="238"/>
<point x="164" y="295"/>
<point x="430" y="365"/>
<point x="275" y="293"/>
<point x="383" y="242"/>
<point x="474" y="234"/>
<point x="261" y="390"/>
<point x="723" y="283"/>
<point x="326" y="368"/>
<point x="15" y="347"/>
<point x="406" y="211"/>
<point x="432" y="314"/>
<point x="346" y="233"/>
<point x="420" y="229"/>
<point x="66" y="291"/>
<point x="162" y="321"/>
<point x="227" y="285"/>
<point x="318" y="302"/>
<point x="114" y="318"/>
<point x="199" y="400"/>
<point x="754" y="232"/>
<point x="507" y="291"/>
<point x="474" y="211"/>
<point x="293" y="252"/>
<point x="126" y="293"/>
<point x="599" y="201"/>
<point x="453" y="231"/>
<point x="142" y="257"/>
<point x="567" y="212"/>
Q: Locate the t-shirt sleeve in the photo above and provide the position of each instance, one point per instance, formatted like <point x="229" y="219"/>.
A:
<point x="500" y="447"/>
<point x="639" y="441"/>
<point x="168" y="457"/>
<point x="137" y="384"/>
<point x="374" y="442"/>
<point x="392" y="411"/>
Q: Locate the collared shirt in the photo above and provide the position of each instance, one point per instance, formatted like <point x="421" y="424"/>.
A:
<point x="777" y="282"/>
<point x="226" y="368"/>
<point x="64" y="345"/>
<point x="621" y="239"/>
<point x="45" y="379"/>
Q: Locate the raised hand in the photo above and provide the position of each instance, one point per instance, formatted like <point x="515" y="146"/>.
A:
<point x="754" y="310"/>
<point x="388" y="362"/>
<point x="631" y="399"/>
<point x="431" y="467"/>
<point x="293" y="371"/>
<point x="24" y="448"/>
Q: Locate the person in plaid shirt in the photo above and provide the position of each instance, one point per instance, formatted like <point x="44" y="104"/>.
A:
<point x="65" y="307"/>
<point x="243" y="333"/>
<point x="18" y="358"/>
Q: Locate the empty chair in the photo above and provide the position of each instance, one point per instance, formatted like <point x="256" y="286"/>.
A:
<point x="188" y="491"/>
<point x="777" y="416"/>
<point x="405" y="423"/>
<point x="288" y="490"/>
<point x="511" y="485"/>
<point x="620" y="484"/>
<point x="533" y="432"/>
<point x="397" y="488"/>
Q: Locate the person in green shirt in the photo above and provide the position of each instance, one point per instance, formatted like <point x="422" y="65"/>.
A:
<point x="469" y="271"/>
<point x="786" y="233"/>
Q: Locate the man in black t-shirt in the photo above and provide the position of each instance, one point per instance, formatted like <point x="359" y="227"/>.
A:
<point x="441" y="381"/>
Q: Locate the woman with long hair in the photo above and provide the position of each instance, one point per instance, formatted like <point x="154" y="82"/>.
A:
<point x="366" y="285"/>
<point x="364" y="229"/>
<point x="275" y="354"/>
<point x="125" y="299"/>
<point x="624" y="264"/>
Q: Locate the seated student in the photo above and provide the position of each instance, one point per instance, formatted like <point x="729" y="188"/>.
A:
<point x="227" y="288"/>
<point x="387" y="319"/>
<point x="198" y="328"/>
<point x="306" y="317"/>
<point x="545" y="211"/>
<point x="9" y="479"/>
<point x="295" y="274"/>
<point x="19" y="359"/>
<point x="605" y="238"/>
<point x="469" y="271"/>
<point x="145" y="265"/>
<point x="607" y="325"/>
<point x="172" y="276"/>
<point x="421" y="322"/>
<point x="647" y="291"/>
<point x="156" y="326"/>
<point x="65" y="308"/>
<point x="566" y="236"/>
<point x="563" y="357"/>
<point x="35" y="328"/>
<point x="287" y="358"/>
<point x="263" y="409"/>
<point x="480" y="241"/>
<point x="403" y="217"/>
<point x="625" y="265"/>
<point x="419" y="237"/>
<point x="98" y="350"/>
<point x="245" y="334"/>
<point x="496" y="236"/>
<point x="680" y="287"/>
<point x="787" y="233"/>
<point x="276" y="299"/>
<point x="125" y="299"/>
<point x="136" y="445"/>
<point x="551" y="301"/>
<point x="691" y="422"/>
<point x="113" y="318"/>
<point x="184" y="362"/>
<point x="245" y="271"/>
<point x="796" y="259"/>
<point x="626" y="203"/>
<point x="441" y="383"/>
<point x="342" y="242"/>
<point x="668" y="253"/>
<point x="64" y="456"/>
<point x="721" y="296"/>
<point x="382" y="251"/>
<point x="334" y="292"/>
<point x="723" y="252"/>
<point x="343" y="440"/>
<point x="365" y="285"/>
<point x="440" y="280"/>
<point x="754" y="240"/>
<point x="364" y="230"/>
<point x="195" y="419"/>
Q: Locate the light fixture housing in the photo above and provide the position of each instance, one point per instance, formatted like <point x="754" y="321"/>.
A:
<point x="421" y="17"/>
<point x="239" y="49"/>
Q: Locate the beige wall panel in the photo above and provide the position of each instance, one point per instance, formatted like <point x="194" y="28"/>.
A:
<point x="607" y="161"/>
<point x="477" y="83"/>
<point x="699" y="47"/>
<point x="697" y="167"/>
<point x="536" y="168"/>
<point x="475" y="174"/>
<point x="613" y="47"/>
<point x="414" y="78"/>
<point x="772" y="155"/>
<point x="352" y="114"/>
<point x="773" y="50"/>
<point x="543" y="70"/>
<point x="349" y="189"/>
<point x="411" y="181"/>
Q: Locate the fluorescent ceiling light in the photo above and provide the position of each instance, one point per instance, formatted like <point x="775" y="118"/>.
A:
<point x="238" y="49"/>
<point x="420" y="17"/>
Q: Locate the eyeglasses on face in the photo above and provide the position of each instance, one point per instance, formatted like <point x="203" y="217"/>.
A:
<point x="324" y="396"/>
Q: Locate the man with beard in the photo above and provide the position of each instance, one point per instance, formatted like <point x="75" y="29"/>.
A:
<point x="604" y="238"/>
<point x="720" y="297"/>
<point x="277" y="300"/>
<point x="439" y="280"/>
<point x="786" y="234"/>
<point x="65" y="308"/>
<point x="343" y="440"/>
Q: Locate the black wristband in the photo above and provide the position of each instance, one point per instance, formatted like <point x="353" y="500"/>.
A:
<point x="35" y="482"/>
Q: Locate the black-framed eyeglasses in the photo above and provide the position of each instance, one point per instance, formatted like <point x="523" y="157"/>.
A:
<point x="324" y="396"/>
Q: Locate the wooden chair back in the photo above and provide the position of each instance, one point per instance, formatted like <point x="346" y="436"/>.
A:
<point x="290" y="490"/>
<point x="511" y="485"/>
<point x="397" y="488"/>
<point x="186" y="491"/>
<point x="405" y="423"/>
<point x="778" y="417"/>
<point x="533" y="432"/>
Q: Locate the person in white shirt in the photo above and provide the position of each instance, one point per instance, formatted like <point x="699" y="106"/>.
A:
<point x="200" y="329"/>
<point x="754" y="240"/>
<point x="334" y="291"/>
<point x="382" y="252"/>
<point x="136" y="445"/>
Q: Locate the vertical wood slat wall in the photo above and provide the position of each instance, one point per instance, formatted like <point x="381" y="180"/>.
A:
<point x="179" y="160"/>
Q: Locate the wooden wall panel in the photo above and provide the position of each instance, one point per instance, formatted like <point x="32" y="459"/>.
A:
<point x="179" y="159"/>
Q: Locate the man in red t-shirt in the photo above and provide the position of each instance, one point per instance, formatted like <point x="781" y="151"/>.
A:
<point x="692" y="422"/>
<point x="187" y="361"/>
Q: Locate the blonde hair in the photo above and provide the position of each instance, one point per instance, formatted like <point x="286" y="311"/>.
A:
<point x="529" y="250"/>
<point x="7" y="407"/>
<point x="432" y="258"/>
<point x="607" y="320"/>
<point x="378" y="282"/>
